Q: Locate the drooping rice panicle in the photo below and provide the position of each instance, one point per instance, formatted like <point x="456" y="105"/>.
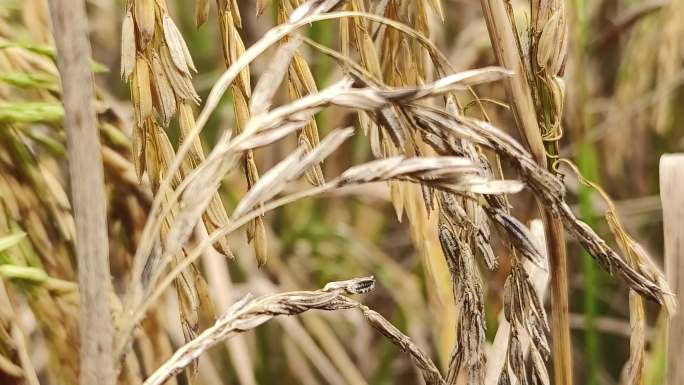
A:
<point x="230" y="21"/>
<point x="157" y="62"/>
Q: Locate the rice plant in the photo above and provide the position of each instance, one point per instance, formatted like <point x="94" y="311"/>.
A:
<point x="244" y="181"/>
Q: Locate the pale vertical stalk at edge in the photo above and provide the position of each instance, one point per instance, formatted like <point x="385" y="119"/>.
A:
<point x="671" y="185"/>
<point x="69" y="24"/>
<point x="504" y="43"/>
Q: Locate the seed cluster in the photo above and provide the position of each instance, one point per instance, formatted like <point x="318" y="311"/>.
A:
<point x="157" y="63"/>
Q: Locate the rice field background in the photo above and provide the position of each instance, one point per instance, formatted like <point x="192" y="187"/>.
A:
<point x="336" y="191"/>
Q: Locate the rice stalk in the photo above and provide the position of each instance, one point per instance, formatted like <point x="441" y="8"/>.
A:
<point x="407" y="122"/>
<point x="452" y="175"/>
<point x="537" y="96"/>
<point x="542" y="183"/>
<point x="211" y="104"/>
<point x="441" y="166"/>
<point x="547" y="55"/>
